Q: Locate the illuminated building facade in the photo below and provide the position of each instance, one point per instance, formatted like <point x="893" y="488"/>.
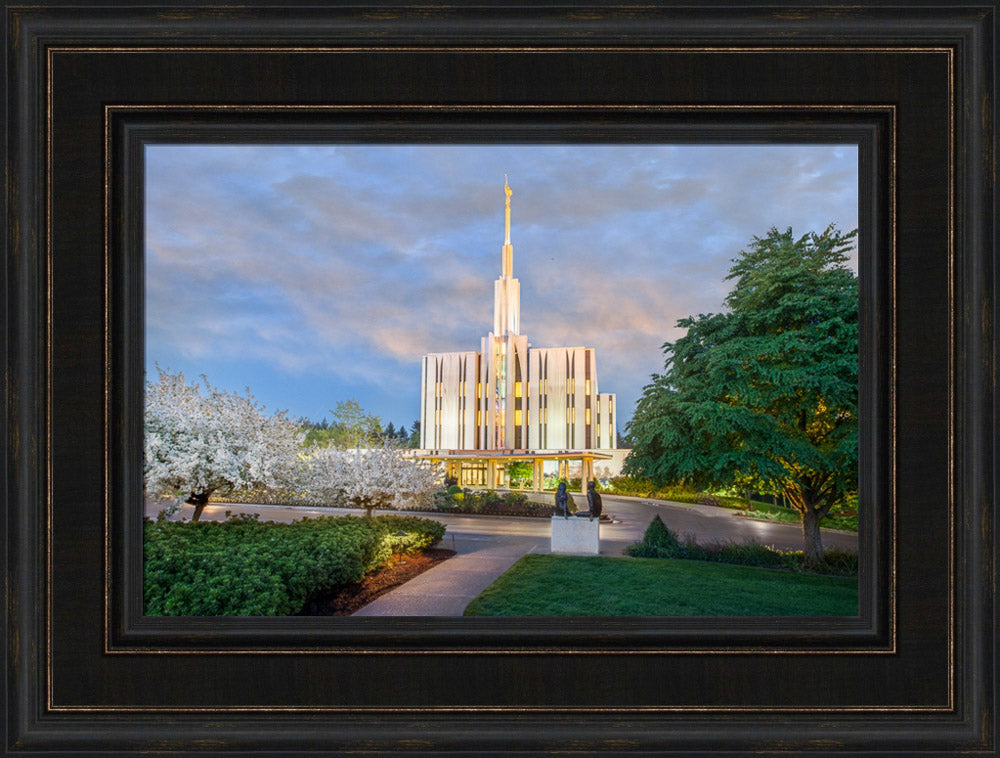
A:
<point x="511" y="396"/>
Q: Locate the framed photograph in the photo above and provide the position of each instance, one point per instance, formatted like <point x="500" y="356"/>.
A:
<point x="258" y="274"/>
<point x="121" y="119"/>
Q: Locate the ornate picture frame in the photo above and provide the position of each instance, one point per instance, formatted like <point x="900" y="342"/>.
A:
<point x="88" y="85"/>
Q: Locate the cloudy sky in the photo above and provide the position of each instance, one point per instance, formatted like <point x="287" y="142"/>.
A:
<point x="313" y="274"/>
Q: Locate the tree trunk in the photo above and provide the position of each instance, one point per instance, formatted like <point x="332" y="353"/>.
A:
<point x="199" y="501"/>
<point x="812" y="541"/>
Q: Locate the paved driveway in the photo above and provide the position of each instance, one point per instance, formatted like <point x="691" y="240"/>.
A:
<point x="709" y="523"/>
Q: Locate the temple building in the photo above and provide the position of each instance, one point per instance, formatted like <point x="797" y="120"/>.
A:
<point x="514" y="400"/>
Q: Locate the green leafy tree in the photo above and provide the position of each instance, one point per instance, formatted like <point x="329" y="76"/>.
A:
<point x="519" y="473"/>
<point x="765" y="394"/>
<point x="414" y="441"/>
<point x="354" y="427"/>
<point x="316" y="434"/>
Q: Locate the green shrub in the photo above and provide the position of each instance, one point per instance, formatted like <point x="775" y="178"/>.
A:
<point x="846" y="523"/>
<point x="659" y="535"/>
<point x="247" y="567"/>
<point x="626" y="485"/>
<point x="838" y="562"/>
<point x="453" y="490"/>
<point x="519" y="473"/>
<point x="657" y="542"/>
<point x="749" y="554"/>
<point x="442" y="501"/>
<point x="489" y="502"/>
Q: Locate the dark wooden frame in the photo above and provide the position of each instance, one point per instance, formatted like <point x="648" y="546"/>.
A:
<point x="86" y="85"/>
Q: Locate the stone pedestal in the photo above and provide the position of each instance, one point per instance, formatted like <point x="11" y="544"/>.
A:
<point x="575" y="535"/>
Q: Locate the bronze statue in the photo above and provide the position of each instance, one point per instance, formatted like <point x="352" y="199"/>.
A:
<point x="562" y="506"/>
<point x="594" y="500"/>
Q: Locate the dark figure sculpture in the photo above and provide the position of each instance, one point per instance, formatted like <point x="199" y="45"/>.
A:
<point x="562" y="507"/>
<point x="594" y="500"/>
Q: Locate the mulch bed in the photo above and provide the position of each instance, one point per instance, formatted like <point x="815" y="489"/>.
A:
<point x="345" y="599"/>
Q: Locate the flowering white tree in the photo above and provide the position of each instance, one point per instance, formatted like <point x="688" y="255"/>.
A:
<point x="199" y="443"/>
<point x="369" y="478"/>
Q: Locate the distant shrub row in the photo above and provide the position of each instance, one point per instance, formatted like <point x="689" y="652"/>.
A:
<point x="455" y="499"/>
<point x="489" y="502"/>
<point x="627" y="485"/>
<point x="660" y="542"/>
<point x="274" y="496"/>
<point x="247" y="567"/>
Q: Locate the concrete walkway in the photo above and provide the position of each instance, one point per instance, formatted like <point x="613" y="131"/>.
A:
<point x="447" y="588"/>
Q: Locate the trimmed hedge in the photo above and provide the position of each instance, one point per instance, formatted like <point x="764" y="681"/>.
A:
<point x="247" y="567"/>
<point x="660" y="542"/>
<point x="489" y="502"/>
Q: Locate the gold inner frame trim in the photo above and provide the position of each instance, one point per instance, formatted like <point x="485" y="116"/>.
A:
<point x="866" y="108"/>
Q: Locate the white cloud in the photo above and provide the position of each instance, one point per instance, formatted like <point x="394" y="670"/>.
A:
<point x="351" y="262"/>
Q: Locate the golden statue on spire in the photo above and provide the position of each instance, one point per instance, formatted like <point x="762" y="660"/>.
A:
<point x="509" y="192"/>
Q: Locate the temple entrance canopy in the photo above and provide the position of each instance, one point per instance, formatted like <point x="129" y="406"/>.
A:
<point x="487" y="468"/>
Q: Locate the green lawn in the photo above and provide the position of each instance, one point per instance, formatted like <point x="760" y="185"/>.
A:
<point x="555" y="585"/>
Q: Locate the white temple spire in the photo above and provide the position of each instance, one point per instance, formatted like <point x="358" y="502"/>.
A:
<point x="509" y="192"/>
<point x="507" y="289"/>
